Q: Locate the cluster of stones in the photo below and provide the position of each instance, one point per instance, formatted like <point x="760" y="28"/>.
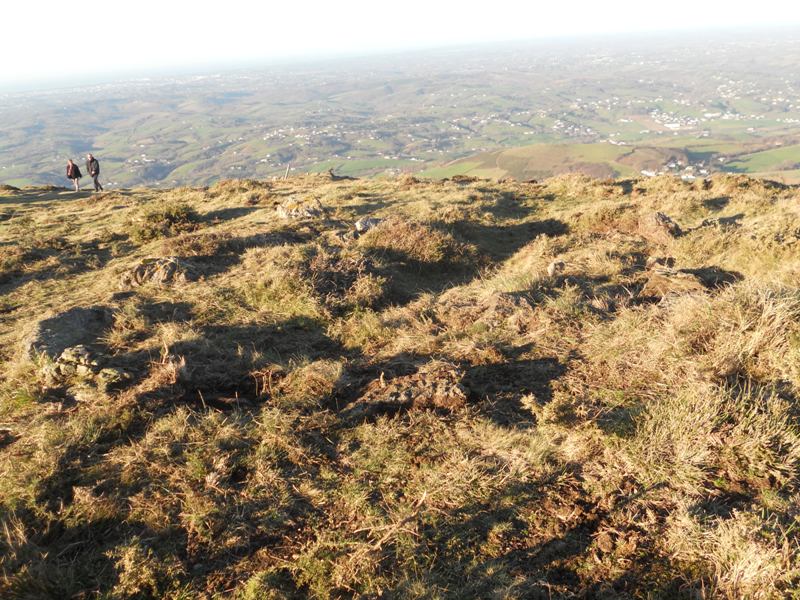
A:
<point x="78" y="362"/>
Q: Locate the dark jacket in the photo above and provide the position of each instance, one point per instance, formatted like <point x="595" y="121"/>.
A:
<point x="93" y="167"/>
<point x="73" y="172"/>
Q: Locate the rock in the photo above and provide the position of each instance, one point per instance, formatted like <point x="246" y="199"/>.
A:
<point x="79" y="355"/>
<point x="84" y="371"/>
<point x="74" y="327"/>
<point x="437" y="385"/>
<point x="160" y="271"/>
<point x="111" y="377"/>
<point x="51" y="373"/>
<point x="664" y="282"/>
<point x="662" y="261"/>
<point x="364" y="224"/>
<point x="65" y="370"/>
<point x="721" y="222"/>
<point x="659" y="228"/>
<point x="555" y="268"/>
<point x="297" y="210"/>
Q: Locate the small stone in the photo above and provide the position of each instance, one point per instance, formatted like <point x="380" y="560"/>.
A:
<point x="656" y="261"/>
<point x="66" y="369"/>
<point x="50" y="373"/>
<point x="79" y="355"/>
<point x="84" y="371"/>
<point x="555" y="268"/>
<point x="111" y="376"/>
<point x="364" y="224"/>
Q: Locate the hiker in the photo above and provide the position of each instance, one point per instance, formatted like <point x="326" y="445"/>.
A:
<point x="93" y="168"/>
<point x="74" y="173"/>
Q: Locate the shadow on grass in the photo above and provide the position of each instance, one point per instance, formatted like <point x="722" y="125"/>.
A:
<point x="534" y="539"/>
<point x="497" y="389"/>
<point x="227" y="214"/>
<point x="218" y="368"/>
<point x="72" y="259"/>
<point x="500" y="242"/>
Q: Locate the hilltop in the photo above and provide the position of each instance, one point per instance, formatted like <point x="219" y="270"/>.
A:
<point x="401" y="388"/>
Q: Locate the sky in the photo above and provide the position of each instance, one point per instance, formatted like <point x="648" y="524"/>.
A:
<point x="44" y="40"/>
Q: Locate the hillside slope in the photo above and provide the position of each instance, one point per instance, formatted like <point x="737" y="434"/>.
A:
<point x="772" y="159"/>
<point x="538" y="161"/>
<point x="495" y="391"/>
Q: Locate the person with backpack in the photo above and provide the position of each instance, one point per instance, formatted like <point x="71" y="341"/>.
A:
<point x="74" y="173"/>
<point x="93" y="168"/>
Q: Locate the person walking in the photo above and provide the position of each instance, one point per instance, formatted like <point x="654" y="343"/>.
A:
<point x="93" y="168"/>
<point x="74" y="173"/>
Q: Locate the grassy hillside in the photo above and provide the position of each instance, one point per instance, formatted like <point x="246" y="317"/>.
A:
<point x="497" y="391"/>
<point x="602" y="160"/>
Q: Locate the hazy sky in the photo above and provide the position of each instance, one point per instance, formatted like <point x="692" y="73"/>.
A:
<point x="44" y="38"/>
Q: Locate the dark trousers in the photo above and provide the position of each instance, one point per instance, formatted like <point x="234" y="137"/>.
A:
<point x="97" y="186"/>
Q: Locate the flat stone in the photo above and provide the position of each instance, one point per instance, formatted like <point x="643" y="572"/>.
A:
<point x="665" y="282"/>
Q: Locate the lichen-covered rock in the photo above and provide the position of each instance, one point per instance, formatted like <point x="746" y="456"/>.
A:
<point x="111" y="377"/>
<point x="159" y="271"/>
<point x="78" y="355"/>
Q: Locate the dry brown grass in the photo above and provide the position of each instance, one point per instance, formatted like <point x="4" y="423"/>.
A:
<point x="425" y="411"/>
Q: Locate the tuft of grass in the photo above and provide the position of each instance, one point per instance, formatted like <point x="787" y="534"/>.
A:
<point x="161" y="221"/>
<point x="416" y="241"/>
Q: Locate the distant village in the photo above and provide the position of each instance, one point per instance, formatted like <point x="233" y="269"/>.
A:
<point x="203" y="128"/>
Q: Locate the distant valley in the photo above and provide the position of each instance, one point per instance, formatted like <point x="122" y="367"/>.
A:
<point x="528" y="110"/>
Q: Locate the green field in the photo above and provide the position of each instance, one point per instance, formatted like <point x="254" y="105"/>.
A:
<point x="768" y="160"/>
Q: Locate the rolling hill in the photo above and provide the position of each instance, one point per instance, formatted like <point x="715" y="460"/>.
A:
<point x="777" y="159"/>
<point x="546" y="160"/>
